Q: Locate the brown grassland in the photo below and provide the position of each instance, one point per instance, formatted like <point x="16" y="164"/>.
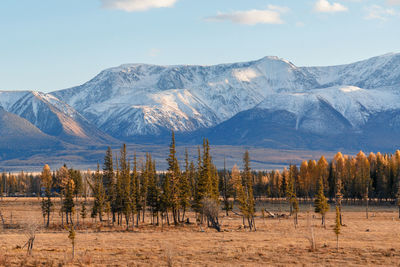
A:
<point x="369" y="242"/>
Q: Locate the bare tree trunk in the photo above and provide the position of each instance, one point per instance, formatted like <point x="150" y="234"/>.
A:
<point x="127" y="222"/>
<point x="48" y="218"/>
<point x="337" y="242"/>
<point x="167" y="218"/>
<point x="144" y="210"/>
<point x="162" y="221"/>
<point x="183" y="215"/>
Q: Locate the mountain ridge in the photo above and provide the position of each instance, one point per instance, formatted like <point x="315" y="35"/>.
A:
<point x="269" y="102"/>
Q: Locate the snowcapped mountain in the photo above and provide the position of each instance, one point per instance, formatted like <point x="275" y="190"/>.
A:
<point x="268" y="102"/>
<point x="134" y="101"/>
<point x="377" y="72"/>
<point x="51" y="116"/>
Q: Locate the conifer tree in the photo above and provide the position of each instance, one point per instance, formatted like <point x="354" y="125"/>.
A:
<point x="47" y="182"/>
<point x="323" y="172"/>
<point x="240" y="192"/>
<point x="398" y="193"/>
<point x="304" y="179"/>
<point x="63" y="181"/>
<point x="320" y="202"/>
<point x="227" y="190"/>
<point x="165" y="204"/>
<point x="339" y="197"/>
<point x="72" y="236"/>
<point x="184" y="188"/>
<point x="143" y="191"/>
<point x="153" y="191"/>
<point x="247" y="181"/>
<point x="313" y="173"/>
<point x="289" y="189"/>
<point x="125" y="189"/>
<point x="68" y="203"/>
<point x="134" y="189"/>
<point x="109" y="181"/>
<point x="137" y="190"/>
<point x="173" y="173"/>
<point x="337" y="227"/>
<point x="192" y="180"/>
<point x="381" y="176"/>
<point x="99" y="195"/>
<point x="201" y="186"/>
<point x="117" y="204"/>
<point x="291" y="192"/>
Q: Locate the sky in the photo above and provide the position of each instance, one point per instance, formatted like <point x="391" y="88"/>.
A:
<point x="48" y="45"/>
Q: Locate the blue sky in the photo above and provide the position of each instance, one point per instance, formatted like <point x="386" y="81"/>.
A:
<point x="48" y="45"/>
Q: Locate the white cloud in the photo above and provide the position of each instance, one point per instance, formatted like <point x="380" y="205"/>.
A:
<point x="378" y="12"/>
<point x="393" y="2"/>
<point x="300" y="24"/>
<point x="325" y="7"/>
<point x="280" y="9"/>
<point x="272" y="15"/>
<point x="136" y="5"/>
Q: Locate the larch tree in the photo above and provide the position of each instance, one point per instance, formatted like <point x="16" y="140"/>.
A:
<point x="63" y="181"/>
<point x="165" y="200"/>
<point x="125" y="189"/>
<point x="337" y="227"/>
<point x="323" y="172"/>
<point x="321" y="203"/>
<point x="134" y="180"/>
<point x="109" y="181"/>
<point x="47" y="183"/>
<point x="184" y="188"/>
<point x="291" y="192"/>
<point x="68" y="203"/>
<point x="398" y="193"/>
<point x="153" y="194"/>
<point x="204" y="185"/>
<point x="174" y="173"/>
<point x="363" y="179"/>
<point x="247" y="180"/>
<point x="239" y="192"/>
<point x="304" y="178"/>
<point x="313" y="173"/>
<point x="339" y="198"/>
<point x="227" y="190"/>
<point x="99" y="195"/>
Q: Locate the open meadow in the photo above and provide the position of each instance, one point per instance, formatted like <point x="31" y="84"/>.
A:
<point x="369" y="242"/>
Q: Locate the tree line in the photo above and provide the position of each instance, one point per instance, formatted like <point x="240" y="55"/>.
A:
<point x="126" y="189"/>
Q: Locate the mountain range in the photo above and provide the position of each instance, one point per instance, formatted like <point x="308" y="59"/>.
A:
<point x="268" y="103"/>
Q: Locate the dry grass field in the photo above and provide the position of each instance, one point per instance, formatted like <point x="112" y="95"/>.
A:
<point x="368" y="242"/>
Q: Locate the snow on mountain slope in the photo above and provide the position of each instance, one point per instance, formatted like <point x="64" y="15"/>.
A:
<point x="51" y="116"/>
<point x="353" y="103"/>
<point x="146" y="99"/>
<point x="376" y="72"/>
<point x="8" y="98"/>
<point x="137" y="101"/>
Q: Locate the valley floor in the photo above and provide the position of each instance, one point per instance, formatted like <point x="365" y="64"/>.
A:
<point x="368" y="242"/>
